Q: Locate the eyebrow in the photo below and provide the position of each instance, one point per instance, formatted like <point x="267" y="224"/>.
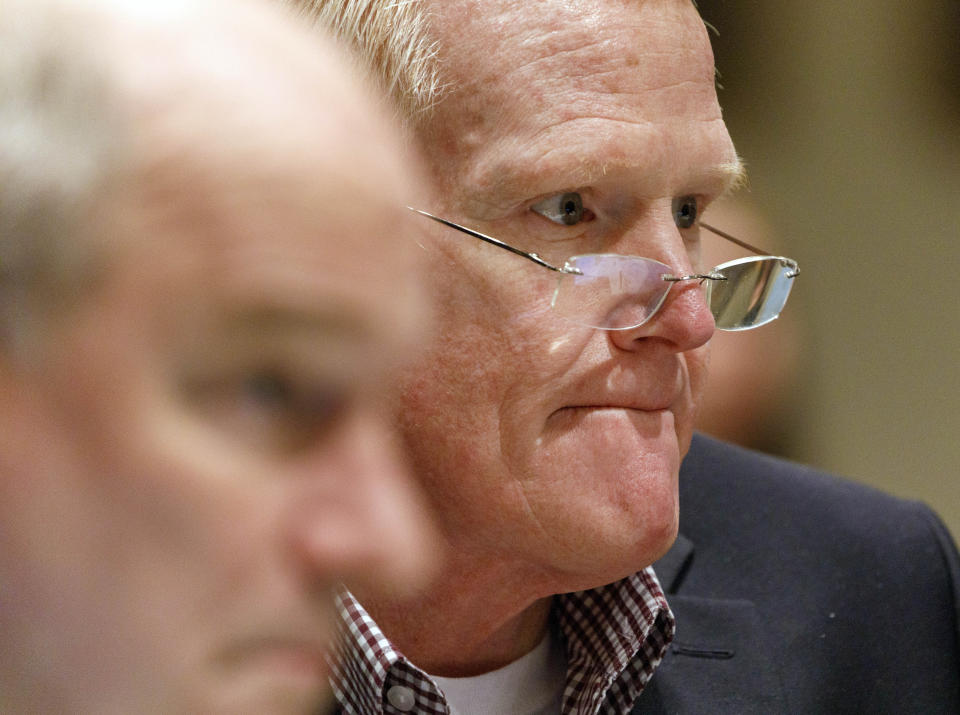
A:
<point x="515" y="181"/>
<point x="337" y="320"/>
<point x="276" y="329"/>
<point x="733" y="176"/>
<point x="290" y="336"/>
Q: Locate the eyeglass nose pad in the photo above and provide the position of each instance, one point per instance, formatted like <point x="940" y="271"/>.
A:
<point x="701" y="277"/>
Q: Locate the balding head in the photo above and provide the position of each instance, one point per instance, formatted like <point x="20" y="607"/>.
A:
<point x="102" y="94"/>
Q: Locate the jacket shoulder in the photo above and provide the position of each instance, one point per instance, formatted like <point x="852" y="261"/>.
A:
<point x="724" y="487"/>
<point x="857" y="590"/>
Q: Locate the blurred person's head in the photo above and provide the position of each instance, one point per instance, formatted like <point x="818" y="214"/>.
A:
<point x="206" y="279"/>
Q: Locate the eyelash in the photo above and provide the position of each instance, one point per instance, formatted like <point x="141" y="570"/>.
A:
<point x="678" y="204"/>
<point x="571" y="202"/>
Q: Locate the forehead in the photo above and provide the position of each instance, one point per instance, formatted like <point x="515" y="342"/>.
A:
<point x="298" y="218"/>
<point x="658" y="41"/>
<point x="589" y="84"/>
<point x="330" y="249"/>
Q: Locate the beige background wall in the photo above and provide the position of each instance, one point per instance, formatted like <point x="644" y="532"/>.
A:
<point x="848" y="115"/>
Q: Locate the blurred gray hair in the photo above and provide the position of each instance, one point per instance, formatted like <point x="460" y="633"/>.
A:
<point x="59" y="134"/>
<point x="392" y="40"/>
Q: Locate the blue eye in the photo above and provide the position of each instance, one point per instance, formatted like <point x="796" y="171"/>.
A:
<point x="563" y="208"/>
<point x="685" y="211"/>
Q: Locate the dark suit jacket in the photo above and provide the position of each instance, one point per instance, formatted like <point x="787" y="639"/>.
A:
<point x="797" y="592"/>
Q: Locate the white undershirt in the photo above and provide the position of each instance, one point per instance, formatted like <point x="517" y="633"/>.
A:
<point x="531" y="685"/>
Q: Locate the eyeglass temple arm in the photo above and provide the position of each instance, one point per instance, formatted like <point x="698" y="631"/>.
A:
<point x="724" y="234"/>
<point x="792" y="264"/>
<point x="496" y="242"/>
<point x="795" y="270"/>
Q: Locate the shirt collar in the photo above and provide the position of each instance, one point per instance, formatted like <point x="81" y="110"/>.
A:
<point x="615" y="636"/>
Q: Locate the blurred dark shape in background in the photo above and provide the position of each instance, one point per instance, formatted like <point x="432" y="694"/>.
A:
<point x="753" y="374"/>
<point x="848" y="118"/>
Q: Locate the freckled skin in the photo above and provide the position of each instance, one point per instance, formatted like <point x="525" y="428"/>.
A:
<point x="615" y="100"/>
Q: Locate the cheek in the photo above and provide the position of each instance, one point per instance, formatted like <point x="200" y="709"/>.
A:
<point x="488" y="360"/>
<point x="477" y="392"/>
<point x="452" y="391"/>
<point x="479" y="402"/>
<point x="464" y="369"/>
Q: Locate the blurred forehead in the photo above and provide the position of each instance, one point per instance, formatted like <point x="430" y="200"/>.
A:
<point x="268" y="167"/>
<point x="315" y="232"/>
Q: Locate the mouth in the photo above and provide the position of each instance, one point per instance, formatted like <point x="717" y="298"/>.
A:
<point x="603" y="407"/>
<point x="608" y="416"/>
<point x="616" y="407"/>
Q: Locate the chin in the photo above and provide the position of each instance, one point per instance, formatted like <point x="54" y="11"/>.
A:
<point x="268" y="686"/>
<point x="618" y="552"/>
<point x="277" y="700"/>
<point x="654" y="531"/>
<point x="659" y="542"/>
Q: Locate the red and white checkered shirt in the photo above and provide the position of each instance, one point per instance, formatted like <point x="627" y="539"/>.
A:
<point x="614" y="636"/>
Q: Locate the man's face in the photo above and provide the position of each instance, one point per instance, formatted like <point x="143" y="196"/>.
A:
<point x="195" y="454"/>
<point x="546" y="445"/>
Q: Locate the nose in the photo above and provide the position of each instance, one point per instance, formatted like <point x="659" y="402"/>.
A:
<point x="684" y="321"/>
<point x="360" y="519"/>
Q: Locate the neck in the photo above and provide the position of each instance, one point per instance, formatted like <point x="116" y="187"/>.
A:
<point x="469" y="622"/>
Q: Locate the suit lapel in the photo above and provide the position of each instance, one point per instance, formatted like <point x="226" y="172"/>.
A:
<point x="719" y="661"/>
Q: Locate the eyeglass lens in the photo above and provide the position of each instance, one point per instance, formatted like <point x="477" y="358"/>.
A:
<point x="611" y="291"/>
<point x="754" y="293"/>
<point x="615" y="292"/>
